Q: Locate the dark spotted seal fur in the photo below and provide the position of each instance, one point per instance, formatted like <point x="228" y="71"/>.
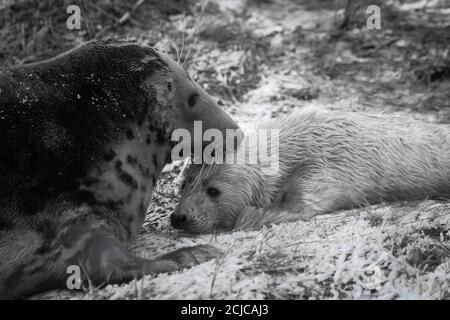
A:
<point x="83" y="139"/>
<point x="327" y="161"/>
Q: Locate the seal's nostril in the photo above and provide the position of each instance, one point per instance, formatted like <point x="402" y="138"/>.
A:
<point x="177" y="220"/>
<point x="174" y="220"/>
<point x="192" y="100"/>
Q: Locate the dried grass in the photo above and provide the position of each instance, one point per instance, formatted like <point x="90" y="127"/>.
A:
<point x="32" y="30"/>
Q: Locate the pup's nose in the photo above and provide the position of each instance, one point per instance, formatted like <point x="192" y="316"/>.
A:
<point x="178" y="220"/>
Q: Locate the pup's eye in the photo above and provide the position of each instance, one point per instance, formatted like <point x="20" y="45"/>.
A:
<point x="183" y="185"/>
<point x="192" y="100"/>
<point x="169" y="86"/>
<point x="212" y="192"/>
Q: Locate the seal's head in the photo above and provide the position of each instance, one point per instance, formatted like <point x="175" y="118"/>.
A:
<point x="143" y="84"/>
<point x="213" y="196"/>
<point x="183" y="101"/>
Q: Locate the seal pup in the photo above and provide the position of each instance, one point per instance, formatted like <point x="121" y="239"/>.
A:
<point x="84" y="137"/>
<point x="327" y="161"/>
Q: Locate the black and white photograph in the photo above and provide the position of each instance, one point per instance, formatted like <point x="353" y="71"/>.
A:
<point x="225" y="150"/>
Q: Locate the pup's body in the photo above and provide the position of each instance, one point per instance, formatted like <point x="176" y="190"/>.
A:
<point x="327" y="161"/>
<point x="84" y="137"/>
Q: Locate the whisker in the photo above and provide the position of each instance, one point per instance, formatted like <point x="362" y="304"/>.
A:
<point x="182" y="46"/>
<point x="176" y="50"/>
<point x="186" y="56"/>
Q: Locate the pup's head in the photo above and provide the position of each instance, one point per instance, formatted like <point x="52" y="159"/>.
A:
<point x="213" y="196"/>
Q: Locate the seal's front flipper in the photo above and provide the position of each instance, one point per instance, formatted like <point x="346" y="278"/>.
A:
<point x="104" y="260"/>
<point x="173" y="261"/>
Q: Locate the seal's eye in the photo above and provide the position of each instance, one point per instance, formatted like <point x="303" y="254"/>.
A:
<point x="183" y="185"/>
<point x="212" y="192"/>
<point x="169" y="86"/>
<point x="192" y="100"/>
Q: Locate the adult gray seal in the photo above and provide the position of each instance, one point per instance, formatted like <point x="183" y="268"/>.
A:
<point x="84" y="137"/>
